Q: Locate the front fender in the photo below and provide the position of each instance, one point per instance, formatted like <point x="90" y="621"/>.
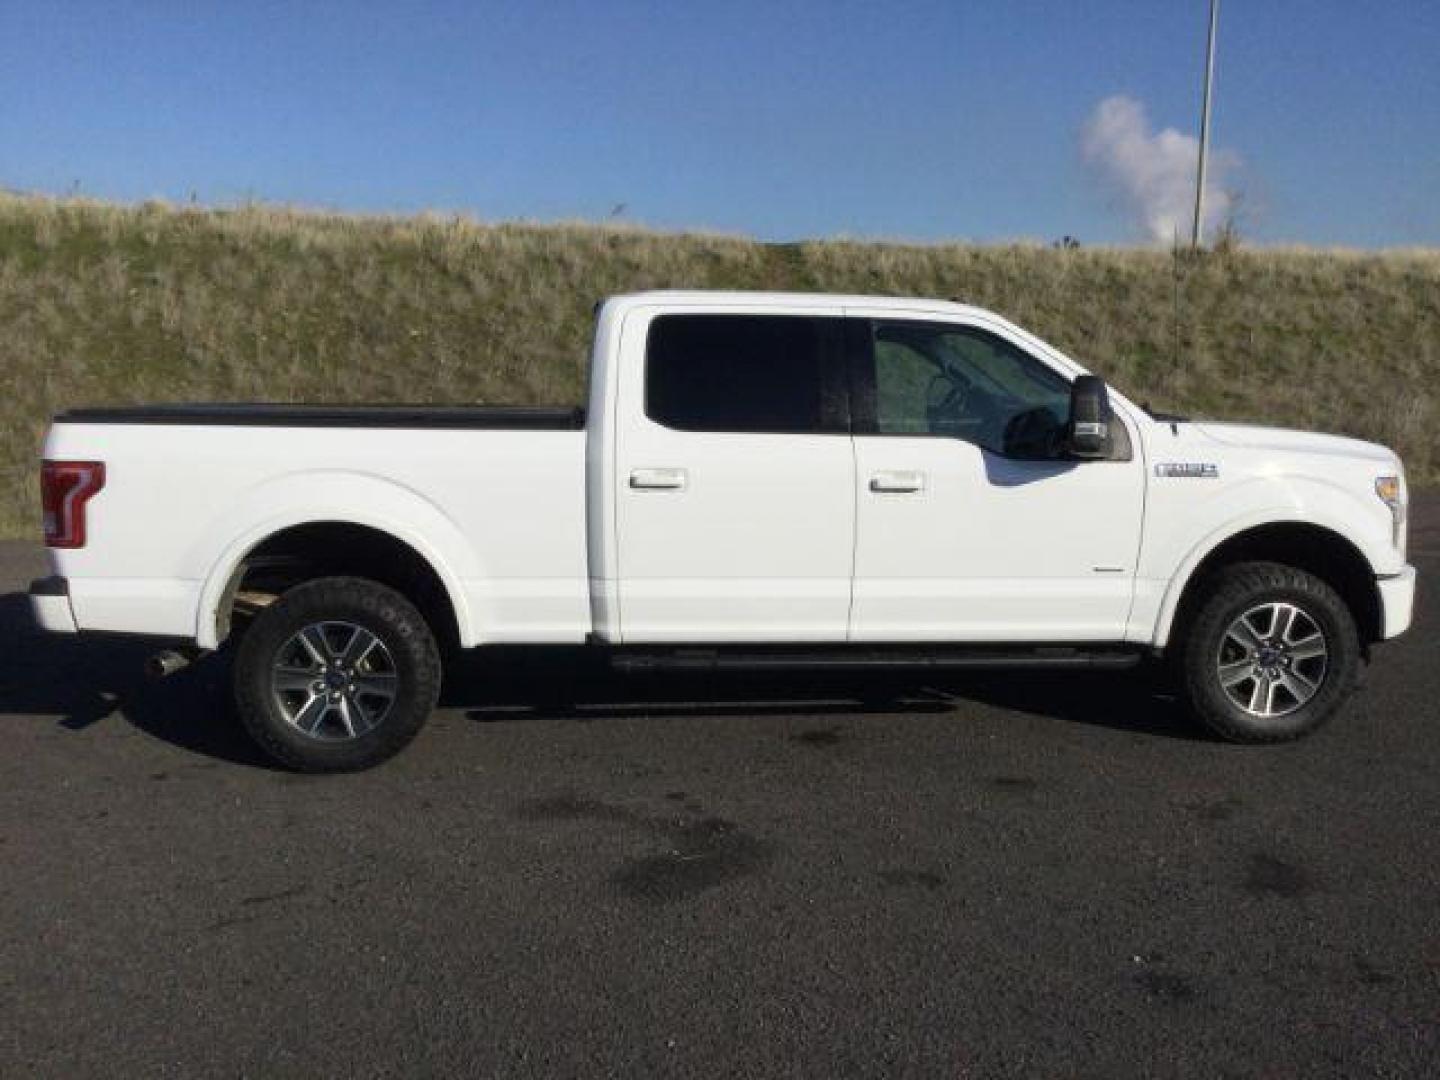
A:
<point x="1264" y="501"/>
<point x="353" y="498"/>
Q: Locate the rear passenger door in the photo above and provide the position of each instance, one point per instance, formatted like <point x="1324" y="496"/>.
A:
<point x="735" y="475"/>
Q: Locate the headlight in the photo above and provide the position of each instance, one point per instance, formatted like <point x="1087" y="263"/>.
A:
<point x="1391" y="490"/>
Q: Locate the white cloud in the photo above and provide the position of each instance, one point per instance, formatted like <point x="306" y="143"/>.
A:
<point x="1153" y="172"/>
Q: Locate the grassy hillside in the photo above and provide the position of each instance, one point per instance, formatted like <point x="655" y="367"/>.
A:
<point x="104" y="304"/>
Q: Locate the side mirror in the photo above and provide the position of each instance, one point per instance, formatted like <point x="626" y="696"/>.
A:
<point x="1087" y="434"/>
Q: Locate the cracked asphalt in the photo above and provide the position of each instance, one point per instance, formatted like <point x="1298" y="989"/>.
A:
<point x="572" y="873"/>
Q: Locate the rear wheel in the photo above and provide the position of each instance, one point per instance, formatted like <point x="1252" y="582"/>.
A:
<point x="337" y="674"/>
<point x="1270" y="653"/>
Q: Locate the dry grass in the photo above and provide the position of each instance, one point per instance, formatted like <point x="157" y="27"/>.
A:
<point x="102" y="303"/>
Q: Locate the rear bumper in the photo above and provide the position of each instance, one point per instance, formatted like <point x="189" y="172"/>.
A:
<point x="50" y="604"/>
<point x="1397" y="602"/>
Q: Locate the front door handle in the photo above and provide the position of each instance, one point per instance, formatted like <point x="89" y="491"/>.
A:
<point x="902" y="482"/>
<point x="658" y="479"/>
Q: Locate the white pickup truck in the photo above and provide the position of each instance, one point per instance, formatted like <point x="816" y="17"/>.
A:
<point x="758" y="480"/>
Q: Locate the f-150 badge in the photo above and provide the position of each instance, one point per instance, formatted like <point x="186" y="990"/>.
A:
<point x="1190" y="470"/>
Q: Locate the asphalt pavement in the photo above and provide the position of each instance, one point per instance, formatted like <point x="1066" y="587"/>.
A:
<point x="572" y="873"/>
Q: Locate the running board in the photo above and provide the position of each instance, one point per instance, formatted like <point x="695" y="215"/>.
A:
<point x="857" y="659"/>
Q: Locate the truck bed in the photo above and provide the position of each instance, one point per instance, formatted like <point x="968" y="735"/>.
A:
<point x="495" y="496"/>
<point x="469" y="417"/>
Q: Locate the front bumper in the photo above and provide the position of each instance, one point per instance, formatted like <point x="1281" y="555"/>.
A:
<point x="1397" y="602"/>
<point x="50" y="604"/>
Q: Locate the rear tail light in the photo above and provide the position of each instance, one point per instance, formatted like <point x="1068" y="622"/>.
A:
<point x="65" y="488"/>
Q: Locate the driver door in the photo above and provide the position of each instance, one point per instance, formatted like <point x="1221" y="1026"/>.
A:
<point x="968" y="526"/>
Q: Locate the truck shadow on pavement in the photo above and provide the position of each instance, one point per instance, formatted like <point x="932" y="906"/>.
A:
<point x="515" y="686"/>
<point x="81" y="681"/>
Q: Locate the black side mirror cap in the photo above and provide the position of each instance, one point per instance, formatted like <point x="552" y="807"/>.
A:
<point x="1088" y="430"/>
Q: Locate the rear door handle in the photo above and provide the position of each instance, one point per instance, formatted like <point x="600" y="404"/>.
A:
<point x="658" y="479"/>
<point x="901" y="482"/>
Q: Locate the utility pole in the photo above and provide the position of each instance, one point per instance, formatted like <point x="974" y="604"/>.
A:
<point x="1205" y="126"/>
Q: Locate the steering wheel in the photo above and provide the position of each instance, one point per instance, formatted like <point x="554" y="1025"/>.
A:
<point x="945" y="398"/>
<point x="1034" y="434"/>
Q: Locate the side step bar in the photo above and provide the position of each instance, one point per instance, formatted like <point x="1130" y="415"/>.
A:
<point x="858" y="659"/>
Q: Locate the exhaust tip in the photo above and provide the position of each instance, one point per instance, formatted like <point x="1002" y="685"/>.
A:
<point x="165" y="662"/>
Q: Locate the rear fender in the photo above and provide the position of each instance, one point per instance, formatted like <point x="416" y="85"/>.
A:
<point x="324" y="496"/>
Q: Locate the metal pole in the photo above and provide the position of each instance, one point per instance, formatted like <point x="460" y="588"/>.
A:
<point x="1205" y="126"/>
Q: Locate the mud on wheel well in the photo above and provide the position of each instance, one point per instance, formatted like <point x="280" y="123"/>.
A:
<point x="335" y="549"/>
<point x="1316" y="550"/>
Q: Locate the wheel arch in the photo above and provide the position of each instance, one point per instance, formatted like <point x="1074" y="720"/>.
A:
<point x="390" y="556"/>
<point x="336" y="498"/>
<point x="1306" y="545"/>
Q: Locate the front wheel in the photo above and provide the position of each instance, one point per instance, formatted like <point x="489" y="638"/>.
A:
<point x="337" y="674"/>
<point x="1270" y="653"/>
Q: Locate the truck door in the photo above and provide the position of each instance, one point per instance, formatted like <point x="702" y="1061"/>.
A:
<point x="734" y="479"/>
<point x="969" y="525"/>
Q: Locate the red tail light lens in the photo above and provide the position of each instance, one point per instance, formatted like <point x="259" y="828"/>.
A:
<point x="65" y="488"/>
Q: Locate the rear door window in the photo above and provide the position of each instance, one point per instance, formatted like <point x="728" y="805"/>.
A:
<point x="751" y="373"/>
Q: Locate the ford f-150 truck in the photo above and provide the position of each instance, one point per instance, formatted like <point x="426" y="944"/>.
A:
<point x="758" y="479"/>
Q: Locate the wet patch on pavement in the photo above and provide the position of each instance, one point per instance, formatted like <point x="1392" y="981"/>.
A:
<point x="911" y="879"/>
<point x="1268" y="875"/>
<point x="819" y="737"/>
<point x="696" y="853"/>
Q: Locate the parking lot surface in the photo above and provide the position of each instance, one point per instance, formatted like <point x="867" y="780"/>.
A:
<point x="572" y="873"/>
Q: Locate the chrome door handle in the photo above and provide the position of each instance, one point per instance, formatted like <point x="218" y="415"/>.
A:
<point x="658" y="479"/>
<point x="903" y="482"/>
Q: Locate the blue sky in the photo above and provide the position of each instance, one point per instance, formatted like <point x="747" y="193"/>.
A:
<point x="925" y="120"/>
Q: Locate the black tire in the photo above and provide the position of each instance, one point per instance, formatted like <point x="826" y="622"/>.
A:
<point x="408" y="671"/>
<point x="1232" y="593"/>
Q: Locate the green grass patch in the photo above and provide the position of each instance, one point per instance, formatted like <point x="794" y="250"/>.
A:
<point x="119" y="304"/>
